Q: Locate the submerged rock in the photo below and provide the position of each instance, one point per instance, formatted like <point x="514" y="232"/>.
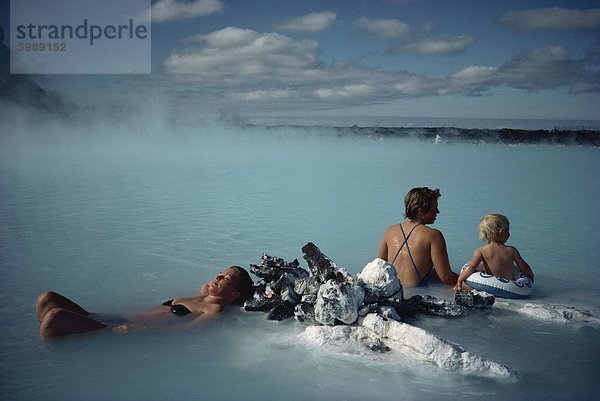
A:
<point x="283" y="310"/>
<point x="388" y="312"/>
<point x="554" y="313"/>
<point x="430" y="306"/>
<point x="474" y="299"/>
<point x="375" y="344"/>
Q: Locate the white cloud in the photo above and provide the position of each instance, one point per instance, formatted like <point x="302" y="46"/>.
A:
<point x="385" y="28"/>
<point x="425" y="42"/>
<point x="241" y="63"/>
<point x="588" y="86"/>
<point x="230" y="37"/>
<point x="263" y="95"/>
<point x="171" y="10"/>
<point x="437" y="45"/>
<point x="240" y="54"/>
<point x="552" y="20"/>
<point x="255" y="69"/>
<point x="475" y="78"/>
<point x="543" y="68"/>
<point x="345" y="91"/>
<point x="414" y="85"/>
<point x="314" y="22"/>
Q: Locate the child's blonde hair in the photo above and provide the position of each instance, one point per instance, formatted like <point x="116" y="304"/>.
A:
<point x="490" y="225"/>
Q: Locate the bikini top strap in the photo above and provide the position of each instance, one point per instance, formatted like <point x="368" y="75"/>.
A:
<point x="411" y="256"/>
<point x="406" y="237"/>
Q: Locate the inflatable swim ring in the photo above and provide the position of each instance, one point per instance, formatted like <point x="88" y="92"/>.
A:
<point x="499" y="286"/>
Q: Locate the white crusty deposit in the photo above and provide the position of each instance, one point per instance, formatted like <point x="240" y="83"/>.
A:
<point x="424" y="345"/>
<point x="380" y="277"/>
<point x="394" y="340"/>
<point x="553" y="313"/>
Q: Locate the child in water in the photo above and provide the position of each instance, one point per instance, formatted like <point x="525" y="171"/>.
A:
<point x="497" y="258"/>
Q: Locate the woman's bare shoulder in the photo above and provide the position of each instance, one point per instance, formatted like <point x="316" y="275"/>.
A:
<point x="431" y="232"/>
<point x="391" y="230"/>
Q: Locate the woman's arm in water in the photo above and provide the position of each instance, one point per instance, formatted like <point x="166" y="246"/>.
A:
<point x="470" y="268"/>
<point x="439" y="258"/>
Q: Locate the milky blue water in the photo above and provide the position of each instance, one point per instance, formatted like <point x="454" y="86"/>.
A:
<point x="120" y="221"/>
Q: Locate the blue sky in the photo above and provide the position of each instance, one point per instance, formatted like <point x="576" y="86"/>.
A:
<point x="425" y="58"/>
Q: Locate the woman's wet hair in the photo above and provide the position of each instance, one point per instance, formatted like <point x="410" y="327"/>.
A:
<point x="419" y="199"/>
<point x="245" y="285"/>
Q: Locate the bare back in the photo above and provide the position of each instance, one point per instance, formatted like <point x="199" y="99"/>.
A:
<point x="498" y="259"/>
<point x="427" y="248"/>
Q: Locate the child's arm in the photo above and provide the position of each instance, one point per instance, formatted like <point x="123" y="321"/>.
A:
<point x="470" y="268"/>
<point x="522" y="265"/>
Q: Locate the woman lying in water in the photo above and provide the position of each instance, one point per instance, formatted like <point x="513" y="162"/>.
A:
<point x="59" y="316"/>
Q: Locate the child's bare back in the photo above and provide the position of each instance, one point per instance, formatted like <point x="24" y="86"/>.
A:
<point x="498" y="259"/>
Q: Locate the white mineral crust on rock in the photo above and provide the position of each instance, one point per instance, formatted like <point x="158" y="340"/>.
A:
<point x="421" y="344"/>
<point x="389" y="341"/>
<point x="338" y="301"/>
<point x="380" y="277"/>
<point x="553" y="313"/>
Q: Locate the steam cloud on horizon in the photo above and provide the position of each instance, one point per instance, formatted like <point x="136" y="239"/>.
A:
<point x="23" y="91"/>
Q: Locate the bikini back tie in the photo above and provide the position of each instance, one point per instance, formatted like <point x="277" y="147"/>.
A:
<point x="406" y="237"/>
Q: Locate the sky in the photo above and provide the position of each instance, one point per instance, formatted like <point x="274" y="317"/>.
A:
<point x="404" y="58"/>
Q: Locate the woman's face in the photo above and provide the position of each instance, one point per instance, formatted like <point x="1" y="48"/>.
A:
<point x="223" y="286"/>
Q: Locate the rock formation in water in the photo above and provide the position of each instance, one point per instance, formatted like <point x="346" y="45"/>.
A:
<point x="554" y="313"/>
<point x="326" y="294"/>
<point x="363" y="312"/>
<point x="474" y="299"/>
<point x="338" y="301"/>
<point x="429" y="347"/>
<point x="391" y="341"/>
<point x="379" y="278"/>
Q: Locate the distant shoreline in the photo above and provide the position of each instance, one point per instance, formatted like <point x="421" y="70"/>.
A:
<point x="531" y="124"/>
<point x="562" y="135"/>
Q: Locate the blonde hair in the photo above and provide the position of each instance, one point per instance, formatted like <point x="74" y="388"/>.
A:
<point x="490" y="226"/>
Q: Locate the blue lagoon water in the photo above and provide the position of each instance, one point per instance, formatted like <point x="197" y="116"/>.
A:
<point x="121" y="221"/>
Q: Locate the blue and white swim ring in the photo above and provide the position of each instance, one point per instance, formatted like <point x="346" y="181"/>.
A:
<point x="499" y="286"/>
